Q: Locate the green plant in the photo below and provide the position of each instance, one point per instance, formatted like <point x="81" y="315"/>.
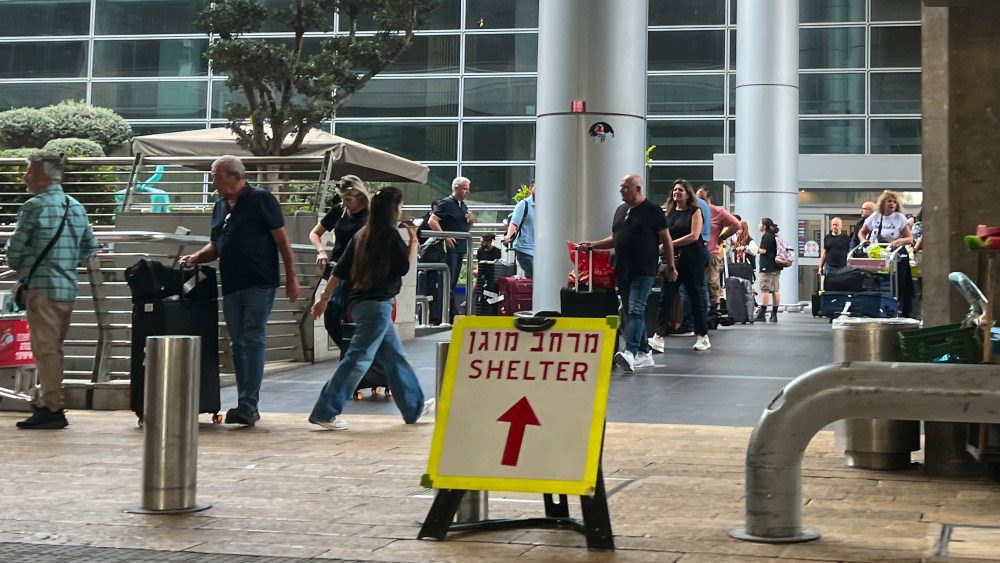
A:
<point x="649" y="156"/>
<point x="11" y="184"/>
<point x="25" y="127"/>
<point x="74" y="147"/>
<point x="79" y="120"/>
<point x="522" y="192"/>
<point x="289" y="87"/>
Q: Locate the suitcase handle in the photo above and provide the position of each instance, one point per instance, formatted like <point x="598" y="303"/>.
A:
<point x="576" y="270"/>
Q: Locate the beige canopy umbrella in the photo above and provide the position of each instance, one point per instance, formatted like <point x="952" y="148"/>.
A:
<point x="349" y="157"/>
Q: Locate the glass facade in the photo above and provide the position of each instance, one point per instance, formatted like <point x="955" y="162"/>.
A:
<point x="462" y="98"/>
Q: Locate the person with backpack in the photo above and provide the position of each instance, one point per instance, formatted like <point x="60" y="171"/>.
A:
<point x="375" y="261"/>
<point x="773" y="256"/>
<point x="521" y="233"/>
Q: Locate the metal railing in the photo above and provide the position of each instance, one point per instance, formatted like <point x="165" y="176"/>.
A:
<point x="887" y="390"/>
<point x="470" y="306"/>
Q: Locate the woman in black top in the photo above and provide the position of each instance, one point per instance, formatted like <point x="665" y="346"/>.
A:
<point x="344" y="220"/>
<point x="374" y="261"/>
<point x="770" y="272"/>
<point x="684" y="221"/>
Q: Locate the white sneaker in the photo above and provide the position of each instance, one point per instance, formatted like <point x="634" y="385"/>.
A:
<point x="656" y="343"/>
<point x="335" y="424"/>
<point x="429" y="405"/>
<point x="688" y="333"/>
<point x="702" y="343"/>
<point x="644" y="360"/>
<point x="625" y="360"/>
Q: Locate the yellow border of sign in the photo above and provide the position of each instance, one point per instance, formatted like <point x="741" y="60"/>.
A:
<point x="432" y="479"/>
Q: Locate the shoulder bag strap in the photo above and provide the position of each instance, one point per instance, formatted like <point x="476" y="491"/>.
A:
<point x="48" y="247"/>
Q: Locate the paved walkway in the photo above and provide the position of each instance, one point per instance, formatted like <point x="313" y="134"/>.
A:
<point x="285" y="490"/>
<point x="729" y="385"/>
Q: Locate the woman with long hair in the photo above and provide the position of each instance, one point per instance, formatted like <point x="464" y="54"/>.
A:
<point x="889" y="225"/>
<point x="344" y="220"/>
<point x="684" y="221"/>
<point x="743" y="240"/>
<point x="374" y="262"/>
<point x="770" y="272"/>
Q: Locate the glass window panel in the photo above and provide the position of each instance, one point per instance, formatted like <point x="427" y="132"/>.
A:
<point x="732" y="135"/>
<point x="896" y="136"/>
<point x="498" y="141"/>
<point x="500" y="96"/>
<point x="732" y="94"/>
<point x="487" y="14"/>
<point x="496" y="184"/>
<point x="427" y="53"/>
<point x="145" y="17"/>
<point x="840" y="47"/>
<point x="13" y="95"/>
<point x="687" y="50"/>
<point x="831" y="136"/>
<point x="438" y="186"/>
<point x="895" y="92"/>
<point x="661" y="179"/>
<point x="896" y="46"/>
<point x="23" y="18"/>
<point x="687" y="12"/>
<point x="832" y="93"/>
<point x="732" y="49"/>
<point x="501" y="53"/>
<point x="43" y="59"/>
<point x="686" y="95"/>
<point x="404" y="98"/>
<point x="221" y="96"/>
<point x="895" y="10"/>
<point x="155" y="57"/>
<point x="152" y="100"/>
<point x="686" y="140"/>
<point x="445" y="16"/>
<point x="416" y="141"/>
<point x="832" y="11"/>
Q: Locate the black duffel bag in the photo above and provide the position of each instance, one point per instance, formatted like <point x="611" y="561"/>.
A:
<point x="853" y="280"/>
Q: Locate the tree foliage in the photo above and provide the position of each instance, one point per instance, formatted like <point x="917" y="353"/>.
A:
<point x="30" y="127"/>
<point x="25" y="127"/>
<point x="289" y="88"/>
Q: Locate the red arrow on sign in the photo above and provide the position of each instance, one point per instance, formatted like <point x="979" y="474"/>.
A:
<point x="519" y="416"/>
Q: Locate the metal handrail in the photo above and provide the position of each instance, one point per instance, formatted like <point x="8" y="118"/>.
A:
<point x="469" y="305"/>
<point x="445" y="288"/>
<point x="886" y="390"/>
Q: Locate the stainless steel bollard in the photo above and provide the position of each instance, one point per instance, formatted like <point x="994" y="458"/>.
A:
<point x="875" y="443"/>
<point x="475" y="504"/>
<point x="170" y="419"/>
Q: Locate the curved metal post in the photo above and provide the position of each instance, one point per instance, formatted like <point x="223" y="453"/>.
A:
<point x="904" y="391"/>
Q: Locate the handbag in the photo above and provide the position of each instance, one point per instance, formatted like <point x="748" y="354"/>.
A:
<point x="431" y="251"/>
<point x="21" y="289"/>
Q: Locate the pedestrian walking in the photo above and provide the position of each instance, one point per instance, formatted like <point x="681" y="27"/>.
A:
<point x="374" y="262"/>
<point x="684" y="222"/>
<point x="521" y="233"/>
<point x="639" y="236"/>
<point x="248" y="232"/>
<point x="51" y="238"/>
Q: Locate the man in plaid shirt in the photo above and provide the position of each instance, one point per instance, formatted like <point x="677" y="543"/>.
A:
<point x="52" y="288"/>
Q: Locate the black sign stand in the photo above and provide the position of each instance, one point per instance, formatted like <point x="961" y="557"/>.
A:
<point x="596" y="524"/>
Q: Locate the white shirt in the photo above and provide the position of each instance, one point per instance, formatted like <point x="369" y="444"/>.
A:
<point x="891" y="226"/>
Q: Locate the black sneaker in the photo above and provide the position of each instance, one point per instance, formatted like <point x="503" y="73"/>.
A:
<point x="242" y="416"/>
<point x="773" y="318"/>
<point x="44" y="419"/>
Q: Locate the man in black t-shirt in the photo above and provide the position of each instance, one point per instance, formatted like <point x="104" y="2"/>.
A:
<point x="452" y="214"/>
<point x="637" y="233"/>
<point x="867" y="208"/>
<point x="248" y="231"/>
<point x="836" y="245"/>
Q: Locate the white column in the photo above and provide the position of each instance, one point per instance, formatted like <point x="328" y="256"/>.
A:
<point x="767" y="122"/>
<point x="591" y="50"/>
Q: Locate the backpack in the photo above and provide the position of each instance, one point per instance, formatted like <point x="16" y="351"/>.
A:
<point x="784" y="256"/>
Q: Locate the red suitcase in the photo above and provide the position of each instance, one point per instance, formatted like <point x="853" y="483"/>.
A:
<point x="516" y="294"/>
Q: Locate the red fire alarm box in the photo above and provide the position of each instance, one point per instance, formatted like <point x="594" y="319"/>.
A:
<point x="578" y="106"/>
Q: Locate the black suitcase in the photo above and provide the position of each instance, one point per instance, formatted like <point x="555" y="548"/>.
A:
<point x="816" y="305"/>
<point x="594" y="302"/>
<point x="853" y="280"/>
<point x="741" y="270"/>
<point x="488" y="285"/>
<point x="739" y="299"/>
<point x="374" y="379"/>
<point x="177" y="317"/>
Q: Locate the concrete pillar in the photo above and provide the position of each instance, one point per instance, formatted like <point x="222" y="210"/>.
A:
<point x="594" y="51"/>
<point x="767" y="118"/>
<point x="961" y="140"/>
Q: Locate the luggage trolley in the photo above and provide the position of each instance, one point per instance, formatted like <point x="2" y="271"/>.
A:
<point x="883" y="303"/>
<point x="17" y="364"/>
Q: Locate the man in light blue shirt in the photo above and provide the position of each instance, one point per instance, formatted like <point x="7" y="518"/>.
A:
<point x="522" y="232"/>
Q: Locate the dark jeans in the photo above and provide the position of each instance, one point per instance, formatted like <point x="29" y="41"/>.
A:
<point x="527" y="263"/>
<point x="687" y="325"/>
<point x="454" y="260"/>
<point x="246" y="313"/>
<point x="691" y="275"/>
<point x="634" y="294"/>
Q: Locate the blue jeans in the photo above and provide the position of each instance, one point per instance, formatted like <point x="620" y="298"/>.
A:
<point x="454" y="261"/>
<point x="247" y="311"/>
<point x="527" y="263"/>
<point x="634" y="293"/>
<point x="375" y="342"/>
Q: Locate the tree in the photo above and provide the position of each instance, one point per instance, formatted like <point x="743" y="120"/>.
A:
<point x="289" y="89"/>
